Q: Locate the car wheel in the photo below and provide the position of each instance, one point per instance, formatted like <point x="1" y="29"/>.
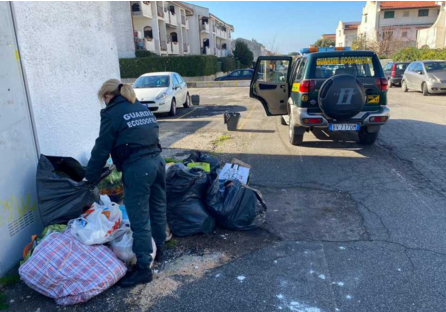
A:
<point x="187" y="103"/>
<point x="404" y="86"/>
<point x="425" y="90"/>
<point x="295" y="139"/>
<point x="366" y="137"/>
<point x="173" y="108"/>
<point x="283" y="121"/>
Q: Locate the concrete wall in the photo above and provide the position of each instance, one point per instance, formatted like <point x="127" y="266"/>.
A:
<point x="122" y="26"/>
<point x="68" y="50"/>
<point x="435" y="36"/>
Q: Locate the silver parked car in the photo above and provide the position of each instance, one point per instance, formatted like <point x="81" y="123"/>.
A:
<point x="426" y="76"/>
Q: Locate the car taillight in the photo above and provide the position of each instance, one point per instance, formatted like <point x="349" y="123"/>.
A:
<point x="393" y="70"/>
<point x="378" y="119"/>
<point x="382" y="84"/>
<point x="306" y="86"/>
<point x="312" y="121"/>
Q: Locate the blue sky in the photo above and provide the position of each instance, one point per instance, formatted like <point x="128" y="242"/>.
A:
<point x="295" y="24"/>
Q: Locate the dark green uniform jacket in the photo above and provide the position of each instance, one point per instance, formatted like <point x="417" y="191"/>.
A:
<point x="128" y="131"/>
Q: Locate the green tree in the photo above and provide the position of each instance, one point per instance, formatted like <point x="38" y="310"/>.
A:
<point x="324" y="43"/>
<point x="243" y="54"/>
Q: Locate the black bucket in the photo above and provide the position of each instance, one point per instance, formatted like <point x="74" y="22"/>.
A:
<point x="195" y="99"/>
<point x="231" y="120"/>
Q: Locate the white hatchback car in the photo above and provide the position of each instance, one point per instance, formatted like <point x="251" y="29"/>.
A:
<point x="162" y="92"/>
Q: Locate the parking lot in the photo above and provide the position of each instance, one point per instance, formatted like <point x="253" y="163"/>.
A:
<point x="349" y="228"/>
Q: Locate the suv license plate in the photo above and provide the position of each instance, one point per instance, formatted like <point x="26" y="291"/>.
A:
<point x="343" y="127"/>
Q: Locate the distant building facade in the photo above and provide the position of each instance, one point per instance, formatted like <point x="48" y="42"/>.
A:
<point x="346" y="33"/>
<point x="435" y="36"/>
<point x="257" y="48"/>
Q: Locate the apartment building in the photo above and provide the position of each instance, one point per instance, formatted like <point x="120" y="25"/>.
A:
<point x="397" y="20"/>
<point x="214" y="35"/>
<point x="177" y="28"/>
<point x="346" y="33"/>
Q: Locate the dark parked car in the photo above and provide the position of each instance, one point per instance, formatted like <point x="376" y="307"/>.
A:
<point x="394" y="72"/>
<point x="241" y="74"/>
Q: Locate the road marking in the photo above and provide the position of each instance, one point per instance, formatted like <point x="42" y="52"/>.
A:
<point x="247" y="117"/>
<point x="186" y="114"/>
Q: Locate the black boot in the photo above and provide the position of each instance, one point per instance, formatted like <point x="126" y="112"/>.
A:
<point x="137" y="276"/>
<point x="160" y="256"/>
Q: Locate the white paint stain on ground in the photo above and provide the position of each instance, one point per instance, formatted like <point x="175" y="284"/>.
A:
<point x="275" y="261"/>
<point x="241" y="278"/>
<point x="218" y="275"/>
<point x="339" y="283"/>
<point x="342" y="248"/>
<point x="348" y="297"/>
<point x="322" y="276"/>
<point x="311" y="271"/>
<point x="280" y="296"/>
<point x="399" y="270"/>
<point x="300" y="307"/>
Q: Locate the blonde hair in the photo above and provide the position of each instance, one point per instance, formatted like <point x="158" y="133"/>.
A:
<point x="111" y="87"/>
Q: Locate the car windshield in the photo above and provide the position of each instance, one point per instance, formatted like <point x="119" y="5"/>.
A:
<point x="358" y="66"/>
<point x="435" y="66"/>
<point x="152" y="82"/>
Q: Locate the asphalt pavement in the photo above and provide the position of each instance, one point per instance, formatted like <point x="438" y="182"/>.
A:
<point x="361" y="228"/>
<point x="349" y="228"/>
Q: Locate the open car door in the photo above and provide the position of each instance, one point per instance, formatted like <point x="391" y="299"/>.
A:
<point x="270" y="85"/>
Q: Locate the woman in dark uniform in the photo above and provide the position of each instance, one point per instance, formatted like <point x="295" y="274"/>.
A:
<point x="129" y="132"/>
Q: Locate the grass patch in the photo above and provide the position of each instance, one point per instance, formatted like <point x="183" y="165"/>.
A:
<point x="221" y="139"/>
<point x="171" y="244"/>
<point x="9" y="280"/>
<point x="171" y="160"/>
<point x="3" y="304"/>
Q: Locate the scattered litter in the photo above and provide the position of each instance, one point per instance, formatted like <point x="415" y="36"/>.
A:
<point x="156" y="271"/>
<point x="275" y="261"/>
<point x="196" y="267"/>
<point x="280" y="308"/>
<point x="311" y="271"/>
<point x="275" y="210"/>
<point x="280" y="296"/>
<point x="241" y="278"/>
<point x="336" y="309"/>
<point x="38" y="310"/>
<point x="322" y="276"/>
<point x="348" y="297"/>
<point x="399" y="270"/>
<point x="27" y="297"/>
<point x="218" y="275"/>
<point x="342" y="248"/>
<point x="340" y="284"/>
<point x="300" y="307"/>
<point x="236" y="170"/>
<point x="11" y="301"/>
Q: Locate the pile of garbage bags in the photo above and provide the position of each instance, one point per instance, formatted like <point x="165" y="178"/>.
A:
<point x="197" y="200"/>
<point x="72" y="263"/>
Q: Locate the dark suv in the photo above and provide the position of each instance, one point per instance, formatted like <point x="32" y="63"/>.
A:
<point x="334" y="90"/>
<point x="394" y="72"/>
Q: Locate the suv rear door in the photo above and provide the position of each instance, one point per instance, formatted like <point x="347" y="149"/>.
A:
<point x="272" y="86"/>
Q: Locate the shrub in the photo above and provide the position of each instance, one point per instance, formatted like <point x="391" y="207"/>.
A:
<point x="187" y="66"/>
<point x="414" y="54"/>
<point x="144" y="53"/>
<point x="243" y="53"/>
<point x="227" y="64"/>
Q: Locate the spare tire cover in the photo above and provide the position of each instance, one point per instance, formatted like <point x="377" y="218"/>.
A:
<point x="341" y="97"/>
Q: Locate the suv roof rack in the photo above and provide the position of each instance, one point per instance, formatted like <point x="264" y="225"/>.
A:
<point x="328" y="49"/>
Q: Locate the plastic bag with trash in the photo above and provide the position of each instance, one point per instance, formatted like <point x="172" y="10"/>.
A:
<point x="61" y="194"/>
<point x="99" y="224"/>
<point x="199" y="157"/>
<point x="122" y="247"/>
<point x="236" y="206"/>
<point x="186" y="191"/>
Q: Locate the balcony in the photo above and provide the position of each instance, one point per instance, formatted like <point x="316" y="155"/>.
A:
<point x="187" y="23"/>
<point x="186" y="48"/>
<point x="141" y="9"/>
<point x="222" y="33"/>
<point x="204" y="27"/>
<point x="173" y="48"/>
<point x="206" y="51"/>
<point x="183" y="20"/>
<point x="149" y="44"/>
<point x="172" y="20"/>
<point x="160" y="11"/>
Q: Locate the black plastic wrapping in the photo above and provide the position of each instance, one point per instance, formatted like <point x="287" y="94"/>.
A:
<point x="201" y="157"/>
<point x="235" y="206"/>
<point x="186" y="193"/>
<point x="61" y="194"/>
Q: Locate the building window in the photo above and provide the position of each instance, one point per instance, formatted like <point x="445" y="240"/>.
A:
<point x="387" y="35"/>
<point x="148" y="33"/>
<point x="423" y="12"/>
<point x="174" y="37"/>
<point x="406" y="13"/>
<point x="339" y="32"/>
<point x="389" y="14"/>
<point x="146" y="2"/>
<point x="135" y="7"/>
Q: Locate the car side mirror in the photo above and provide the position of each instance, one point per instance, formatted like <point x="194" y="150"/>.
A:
<point x="420" y="72"/>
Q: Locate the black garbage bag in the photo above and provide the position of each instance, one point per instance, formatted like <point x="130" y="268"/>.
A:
<point x="61" y="196"/>
<point x="201" y="157"/>
<point x="186" y="192"/>
<point x="235" y="206"/>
